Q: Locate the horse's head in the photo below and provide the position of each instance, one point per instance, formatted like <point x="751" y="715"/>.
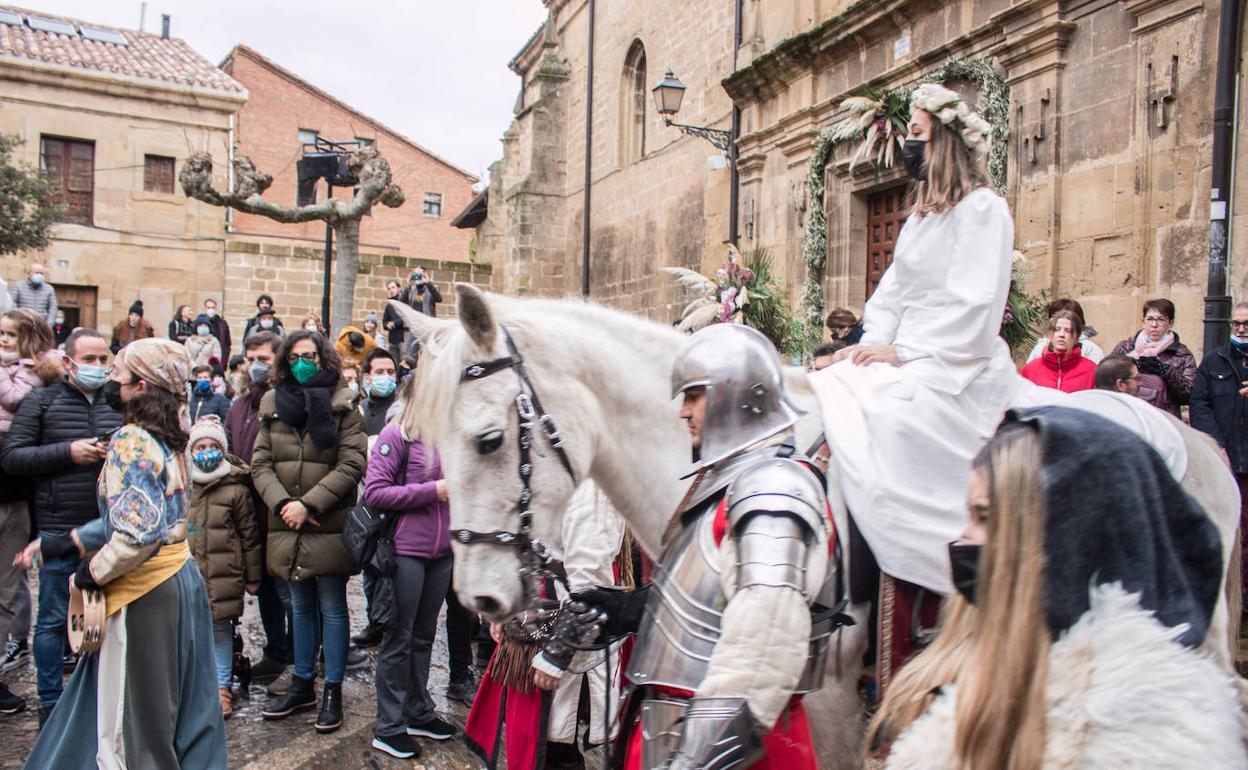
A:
<point x="475" y="424"/>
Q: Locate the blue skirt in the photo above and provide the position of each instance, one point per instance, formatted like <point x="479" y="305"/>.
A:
<point x="148" y="698"/>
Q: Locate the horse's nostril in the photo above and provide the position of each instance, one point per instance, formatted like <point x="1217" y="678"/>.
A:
<point x="486" y="605"/>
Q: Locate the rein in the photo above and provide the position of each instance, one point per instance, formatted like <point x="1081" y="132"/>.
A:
<point x="536" y="559"/>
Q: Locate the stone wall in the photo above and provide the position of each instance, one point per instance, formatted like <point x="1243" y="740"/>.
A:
<point x="293" y="276"/>
<point x="666" y="205"/>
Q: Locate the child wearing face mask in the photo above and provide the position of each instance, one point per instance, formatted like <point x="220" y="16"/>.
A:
<point x="205" y="399"/>
<point x="202" y="346"/>
<point x="224" y="539"/>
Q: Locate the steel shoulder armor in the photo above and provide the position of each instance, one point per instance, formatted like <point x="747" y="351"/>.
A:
<point x="776" y="513"/>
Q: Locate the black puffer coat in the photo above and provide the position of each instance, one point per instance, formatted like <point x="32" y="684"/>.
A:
<point x="47" y="422"/>
<point x="287" y="465"/>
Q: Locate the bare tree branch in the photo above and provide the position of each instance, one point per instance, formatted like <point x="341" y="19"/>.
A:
<point x="375" y="186"/>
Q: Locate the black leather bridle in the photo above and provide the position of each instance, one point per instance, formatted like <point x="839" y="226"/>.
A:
<point x="536" y="560"/>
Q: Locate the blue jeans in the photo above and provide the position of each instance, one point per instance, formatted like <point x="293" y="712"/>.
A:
<point x="223" y="651"/>
<point x="50" y="627"/>
<point x="330" y="594"/>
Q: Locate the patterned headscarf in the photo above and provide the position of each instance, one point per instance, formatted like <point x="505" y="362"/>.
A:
<point x="163" y="363"/>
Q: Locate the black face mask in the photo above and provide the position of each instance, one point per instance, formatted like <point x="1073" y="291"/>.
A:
<point x="112" y="396"/>
<point x="912" y="158"/>
<point x="964" y="568"/>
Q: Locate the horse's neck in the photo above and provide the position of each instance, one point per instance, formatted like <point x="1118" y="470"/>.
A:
<point x="641" y="447"/>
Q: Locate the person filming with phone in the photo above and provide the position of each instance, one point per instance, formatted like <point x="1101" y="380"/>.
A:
<point x="421" y="293"/>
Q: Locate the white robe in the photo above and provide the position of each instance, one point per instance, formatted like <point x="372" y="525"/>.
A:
<point x="903" y="437"/>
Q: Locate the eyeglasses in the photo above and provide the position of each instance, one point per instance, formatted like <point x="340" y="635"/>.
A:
<point x="1239" y="324"/>
<point x="1156" y="319"/>
<point x="312" y="357"/>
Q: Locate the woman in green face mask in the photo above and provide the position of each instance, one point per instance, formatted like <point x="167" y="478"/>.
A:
<point x="308" y="462"/>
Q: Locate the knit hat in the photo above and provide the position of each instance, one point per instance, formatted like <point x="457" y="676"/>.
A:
<point x="210" y="427"/>
<point x="137" y="307"/>
<point x="371" y="316"/>
<point x="202" y="319"/>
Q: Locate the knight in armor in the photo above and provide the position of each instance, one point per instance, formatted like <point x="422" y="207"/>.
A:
<point x="736" y="622"/>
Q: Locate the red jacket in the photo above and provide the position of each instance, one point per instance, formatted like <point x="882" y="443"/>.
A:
<point x="1068" y="372"/>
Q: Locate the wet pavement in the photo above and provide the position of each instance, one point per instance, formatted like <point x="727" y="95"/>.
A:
<point x="290" y="744"/>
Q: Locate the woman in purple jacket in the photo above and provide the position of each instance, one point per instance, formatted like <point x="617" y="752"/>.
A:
<point x="422" y="576"/>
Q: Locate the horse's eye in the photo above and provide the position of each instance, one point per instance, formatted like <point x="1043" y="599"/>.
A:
<point x="489" y="442"/>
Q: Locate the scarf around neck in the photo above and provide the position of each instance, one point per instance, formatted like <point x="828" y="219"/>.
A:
<point x="1145" y="348"/>
<point x="309" y="407"/>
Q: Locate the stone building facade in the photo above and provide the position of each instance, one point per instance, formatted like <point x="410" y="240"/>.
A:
<point x="282" y="112"/>
<point x="1108" y="164"/>
<point x="657" y="197"/>
<point x="107" y="113"/>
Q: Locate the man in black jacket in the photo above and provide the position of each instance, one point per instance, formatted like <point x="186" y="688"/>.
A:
<point x="59" y="439"/>
<point x="1219" y="405"/>
<point x="393" y="322"/>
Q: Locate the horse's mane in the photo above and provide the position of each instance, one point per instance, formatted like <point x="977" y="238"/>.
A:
<point x="446" y="352"/>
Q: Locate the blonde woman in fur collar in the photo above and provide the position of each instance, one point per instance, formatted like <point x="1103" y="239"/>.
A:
<point x="1074" y="640"/>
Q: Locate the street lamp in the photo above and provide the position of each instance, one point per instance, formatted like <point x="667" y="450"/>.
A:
<point x="668" y="95"/>
<point x="324" y="159"/>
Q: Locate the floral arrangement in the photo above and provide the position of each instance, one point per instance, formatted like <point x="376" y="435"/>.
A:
<point x="743" y="291"/>
<point x="951" y="110"/>
<point x="1024" y="313"/>
<point x="878" y="119"/>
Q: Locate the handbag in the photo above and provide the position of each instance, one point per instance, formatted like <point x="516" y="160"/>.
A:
<point x="364" y="525"/>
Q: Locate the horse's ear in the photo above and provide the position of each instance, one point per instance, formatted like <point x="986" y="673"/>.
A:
<point x="420" y="325"/>
<point x="476" y="316"/>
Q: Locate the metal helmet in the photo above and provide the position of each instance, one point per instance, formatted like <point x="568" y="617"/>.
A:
<point x="744" y="381"/>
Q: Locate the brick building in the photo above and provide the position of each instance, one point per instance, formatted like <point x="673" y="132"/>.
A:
<point x="107" y="113"/>
<point x="284" y="112"/>
<point x="1108" y="164"/>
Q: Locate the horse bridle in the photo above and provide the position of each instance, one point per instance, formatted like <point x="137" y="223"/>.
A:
<point x="536" y="560"/>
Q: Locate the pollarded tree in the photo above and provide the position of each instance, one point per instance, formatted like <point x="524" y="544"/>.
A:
<point x="375" y="186"/>
<point x="26" y="211"/>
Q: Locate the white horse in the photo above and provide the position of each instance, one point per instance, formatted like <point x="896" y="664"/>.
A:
<point x="604" y="376"/>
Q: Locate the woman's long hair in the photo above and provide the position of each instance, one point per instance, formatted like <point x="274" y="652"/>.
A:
<point x="158" y="412"/>
<point x="996" y="651"/>
<point x="329" y="358"/>
<point x="34" y="336"/>
<point x="953" y="172"/>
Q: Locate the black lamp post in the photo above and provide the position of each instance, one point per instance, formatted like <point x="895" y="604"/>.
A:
<point x="668" y="95"/>
<point x="324" y="159"/>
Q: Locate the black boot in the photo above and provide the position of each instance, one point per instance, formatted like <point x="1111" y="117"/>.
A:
<point x="300" y="696"/>
<point x="330" y="718"/>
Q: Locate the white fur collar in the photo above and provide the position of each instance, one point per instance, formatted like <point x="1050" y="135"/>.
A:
<point x="1121" y="693"/>
<point x="203" y="477"/>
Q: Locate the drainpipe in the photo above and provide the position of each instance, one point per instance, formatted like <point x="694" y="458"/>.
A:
<point x="734" y="178"/>
<point x="589" y="156"/>
<point x="1217" y="301"/>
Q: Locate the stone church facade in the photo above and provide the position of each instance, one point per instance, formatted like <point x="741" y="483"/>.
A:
<point x="1108" y="165"/>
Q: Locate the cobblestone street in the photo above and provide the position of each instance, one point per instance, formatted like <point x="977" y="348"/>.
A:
<point x="290" y="744"/>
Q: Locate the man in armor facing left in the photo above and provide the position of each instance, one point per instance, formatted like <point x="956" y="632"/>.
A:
<point x="745" y="595"/>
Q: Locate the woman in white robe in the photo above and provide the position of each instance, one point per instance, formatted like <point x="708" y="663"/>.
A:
<point x="907" y="409"/>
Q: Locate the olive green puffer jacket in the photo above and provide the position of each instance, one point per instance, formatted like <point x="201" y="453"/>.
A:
<point x="287" y="466"/>
<point x="223" y="534"/>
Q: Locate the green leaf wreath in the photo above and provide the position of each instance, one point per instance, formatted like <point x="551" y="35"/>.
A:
<point x="877" y="120"/>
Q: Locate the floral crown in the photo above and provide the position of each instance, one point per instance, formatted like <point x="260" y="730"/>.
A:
<point x="950" y="109"/>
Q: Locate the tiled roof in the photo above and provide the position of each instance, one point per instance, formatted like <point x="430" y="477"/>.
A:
<point x="142" y="55"/>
